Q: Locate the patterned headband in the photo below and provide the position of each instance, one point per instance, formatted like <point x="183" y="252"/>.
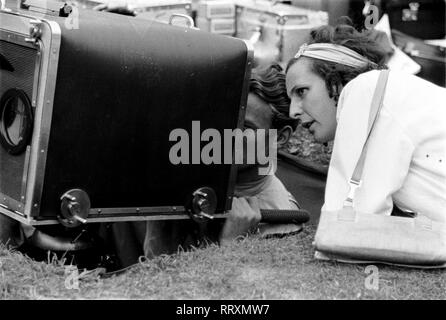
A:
<point x="334" y="53"/>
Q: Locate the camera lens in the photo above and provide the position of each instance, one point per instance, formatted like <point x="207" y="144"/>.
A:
<point x="15" y="121"/>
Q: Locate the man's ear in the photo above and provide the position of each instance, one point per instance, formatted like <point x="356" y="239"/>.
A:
<point x="283" y="135"/>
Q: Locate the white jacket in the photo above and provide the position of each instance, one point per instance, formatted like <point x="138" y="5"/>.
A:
<point x="406" y="158"/>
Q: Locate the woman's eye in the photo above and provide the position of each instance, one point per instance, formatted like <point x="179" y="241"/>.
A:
<point x="301" y="91"/>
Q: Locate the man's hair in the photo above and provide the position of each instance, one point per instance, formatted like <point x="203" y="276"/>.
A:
<point x="346" y="35"/>
<point x="269" y="85"/>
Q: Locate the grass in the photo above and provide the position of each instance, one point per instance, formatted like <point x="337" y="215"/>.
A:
<point x="303" y="145"/>
<point x="252" y="268"/>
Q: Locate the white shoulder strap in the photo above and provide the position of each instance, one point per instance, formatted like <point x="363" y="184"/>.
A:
<point x="377" y="102"/>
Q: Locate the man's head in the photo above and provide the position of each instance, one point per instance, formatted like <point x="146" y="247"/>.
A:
<point x="269" y="104"/>
<point x="268" y="108"/>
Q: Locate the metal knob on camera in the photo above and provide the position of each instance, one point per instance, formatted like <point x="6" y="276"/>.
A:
<point x="74" y="208"/>
<point x="202" y="205"/>
<point x="35" y="31"/>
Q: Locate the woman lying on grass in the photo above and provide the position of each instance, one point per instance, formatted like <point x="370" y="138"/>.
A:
<point x="331" y="82"/>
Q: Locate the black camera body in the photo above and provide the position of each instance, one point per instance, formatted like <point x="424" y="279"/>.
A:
<point x="87" y="107"/>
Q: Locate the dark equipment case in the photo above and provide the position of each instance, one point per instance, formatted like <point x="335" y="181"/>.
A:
<point x="432" y="59"/>
<point x="103" y="99"/>
<point x="423" y="19"/>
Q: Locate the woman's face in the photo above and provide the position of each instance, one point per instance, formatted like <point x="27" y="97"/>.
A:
<point x="310" y="101"/>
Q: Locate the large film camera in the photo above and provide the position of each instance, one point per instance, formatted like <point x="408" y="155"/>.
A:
<point x="86" y="110"/>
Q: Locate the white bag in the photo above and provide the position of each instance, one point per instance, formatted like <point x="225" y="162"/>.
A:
<point x="350" y="236"/>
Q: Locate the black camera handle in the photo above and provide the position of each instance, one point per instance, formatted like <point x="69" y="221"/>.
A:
<point x="284" y="216"/>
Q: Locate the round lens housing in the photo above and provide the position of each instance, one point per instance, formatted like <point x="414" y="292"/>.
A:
<point x="16" y="121"/>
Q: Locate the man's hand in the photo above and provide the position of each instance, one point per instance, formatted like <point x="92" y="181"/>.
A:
<point x="245" y="215"/>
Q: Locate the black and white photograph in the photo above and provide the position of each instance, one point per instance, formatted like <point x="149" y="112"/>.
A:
<point x="223" y="155"/>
